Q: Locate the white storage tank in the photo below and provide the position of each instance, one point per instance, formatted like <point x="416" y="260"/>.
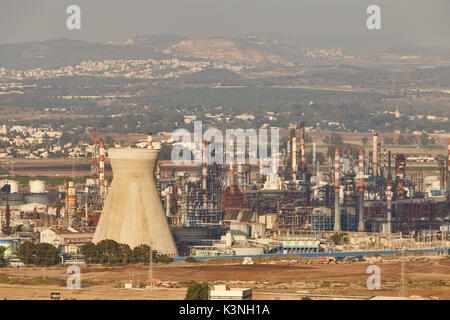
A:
<point x="239" y="229"/>
<point x="14" y="185"/>
<point x="37" y="186"/>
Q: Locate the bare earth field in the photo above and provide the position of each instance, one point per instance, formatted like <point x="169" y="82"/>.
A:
<point x="429" y="278"/>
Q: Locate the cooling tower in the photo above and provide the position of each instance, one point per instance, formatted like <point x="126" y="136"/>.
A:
<point x="133" y="213"/>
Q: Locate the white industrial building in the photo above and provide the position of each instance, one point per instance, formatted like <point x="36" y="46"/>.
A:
<point x="223" y="292"/>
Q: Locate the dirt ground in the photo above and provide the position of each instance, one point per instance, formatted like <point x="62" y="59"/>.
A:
<point x="269" y="281"/>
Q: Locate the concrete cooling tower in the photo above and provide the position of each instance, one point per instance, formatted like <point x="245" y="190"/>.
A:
<point x="133" y="213"/>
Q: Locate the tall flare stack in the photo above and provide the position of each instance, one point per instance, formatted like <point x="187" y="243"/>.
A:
<point x="101" y="169"/>
<point x="361" y="227"/>
<point x="375" y="155"/>
<point x="448" y="173"/>
<point x="302" y="150"/>
<point x="294" y="154"/>
<point x="149" y="140"/>
<point x="133" y="213"/>
<point x="314" y="158"/>
<point x="204" y="166"/>
<point x="389" y="208"/>
<point x="337" y="187"/>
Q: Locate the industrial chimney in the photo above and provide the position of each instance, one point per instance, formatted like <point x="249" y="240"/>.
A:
<point x="361" y="227"/>
<point x="448" y="173"/>
<point x="337" y="186"/>
<point x="375" y="155"/>
<point x="133" y="213"/>
<point x="389" y="208"/>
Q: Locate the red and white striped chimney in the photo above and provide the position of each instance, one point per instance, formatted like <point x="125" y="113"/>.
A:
<point x="389" y="207"/>
<point x="204" y="166"/>
<point x="448" y="173"/>
<point x="302" y="149"/>
<point x="361" y="225"/>
<point x="361" y="169"/>
<point x="101" y="164"/>
<point x="375" y="155"/>
<point x="294" y="155"/>
<point x="149" y="140"/>
<point x="231" y="175"/>
<point x="337" y="187"/>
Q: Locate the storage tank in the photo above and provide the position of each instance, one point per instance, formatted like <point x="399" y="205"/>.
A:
<point x="14" y="185"/>
<point x="239" y="229"/>
<point x="37" y="186"/>
<point x="133" y="213"/>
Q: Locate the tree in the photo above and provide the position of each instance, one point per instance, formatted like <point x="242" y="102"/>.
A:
<point x="2" y="254"/>
<point x="25" y="252"/>
<point x="339" y="238"/>
<point x="388" y="140"/>
<point x="89" y="252"/>
<point x="141" y="253"/>
<point x="109" y="142"/>
<point x="127" y="253"/>
<point x="109" y="252"/>
<point x="191" y="259"/>
<point x="45" y="255"/>
<point x="364" y="140"/>
<point x="401" y="140"/>
<point x="197" y="291"/>
<point x="41" y="254"/>
<point x="164" y="259"/>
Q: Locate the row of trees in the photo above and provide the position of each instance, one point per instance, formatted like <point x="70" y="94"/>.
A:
<point x="112" y="253"/>
<point x="422" y="140"/>
<point x="39" y="254"/>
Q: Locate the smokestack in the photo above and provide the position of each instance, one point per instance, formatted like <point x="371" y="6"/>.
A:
<point x="94" y="165"/>
<point x="314" y="157"/>
<point x="240" y="175"/>
<point x="400" y="172"/>
<point x="389" y="208"/>
<point x="101" y="170"/>
<point x="375" y="155"/>
<point x="294" y="154"/>
<point x="204" y="166"/>
<point x="149" y="140"/>
<point x="337" y="186"/>
<point x="448" y="172"/>
<point x="70" y="202"/>
<point x="231" y="176"/>
<point x="361" y="227"/>
<point x="302" y="150"/>
<point x="389" y="175"/>
<point x="384" y="162"/>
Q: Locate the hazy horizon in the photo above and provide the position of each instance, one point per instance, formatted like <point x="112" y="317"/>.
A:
<point x="412" y="21"/>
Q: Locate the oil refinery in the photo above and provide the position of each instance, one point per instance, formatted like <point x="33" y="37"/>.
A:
<point x="213" y="210"/>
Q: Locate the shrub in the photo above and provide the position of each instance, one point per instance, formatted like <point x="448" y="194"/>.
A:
<point x="191" y="259"/>
<point x="197" y="291"/>
<point x="164" y="259"/>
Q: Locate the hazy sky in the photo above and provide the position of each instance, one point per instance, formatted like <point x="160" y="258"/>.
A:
<point x="426" y="22"/>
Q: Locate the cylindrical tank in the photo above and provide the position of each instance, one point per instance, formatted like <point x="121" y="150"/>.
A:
<point x="133" y="213"/>
<point x="37" y="186"/>
<point x="14" y="185"/>
<point x="239" y="229"/>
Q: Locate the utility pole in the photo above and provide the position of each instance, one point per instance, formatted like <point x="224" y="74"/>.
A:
<point x="402" y="291"/>
<point x="151" y="270"/>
